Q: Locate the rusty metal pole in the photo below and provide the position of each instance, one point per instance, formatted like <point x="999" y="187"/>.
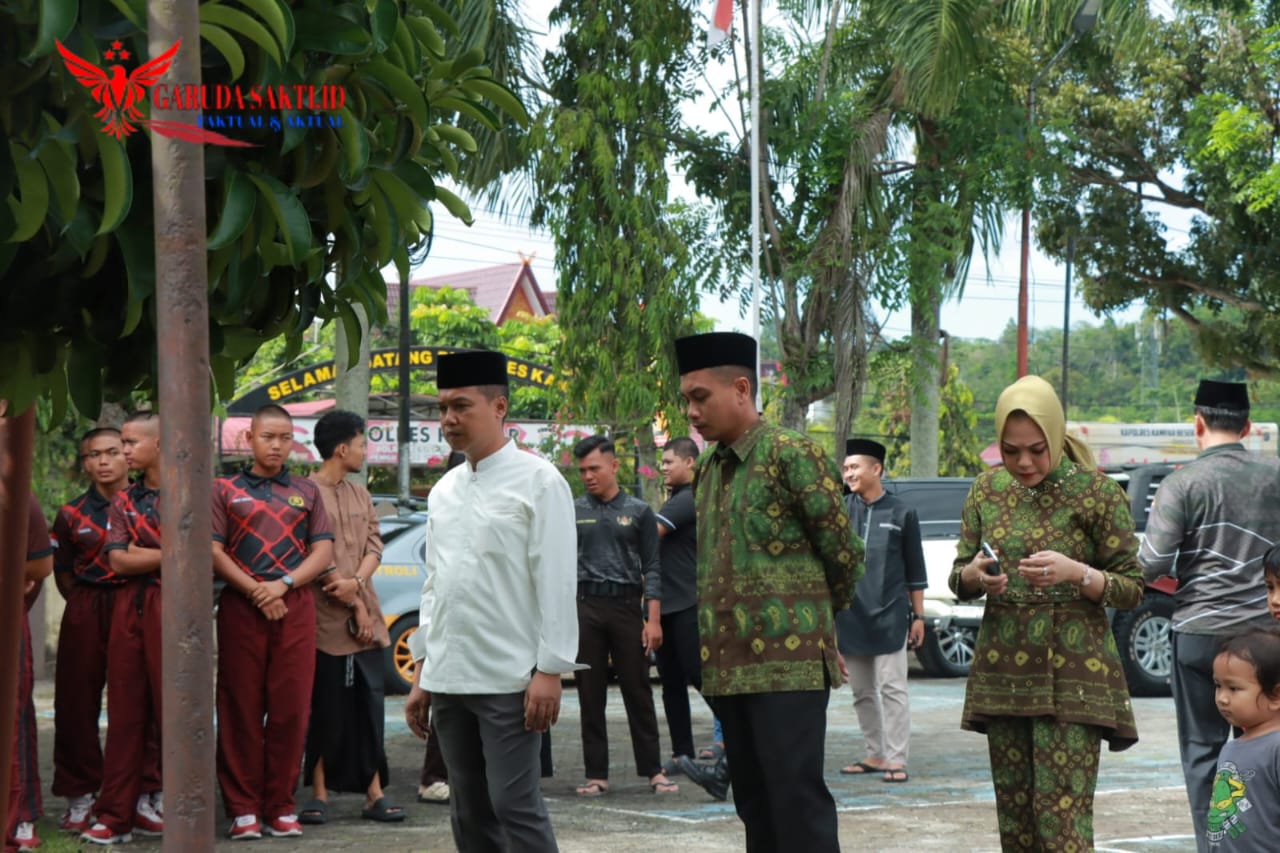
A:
<point x="16" y="437"/>
<point x="182" y="330"/>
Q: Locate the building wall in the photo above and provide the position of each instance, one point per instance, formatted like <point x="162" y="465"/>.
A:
<point x="519" y="302"/>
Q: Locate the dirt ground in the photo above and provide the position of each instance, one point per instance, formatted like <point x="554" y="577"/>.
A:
<point x="946" y="806"/>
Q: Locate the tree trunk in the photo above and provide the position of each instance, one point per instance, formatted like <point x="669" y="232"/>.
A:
<point x="111" y="415"/>
<point x="17" y="436"/>
<point x="925" y="383"/>
<point x="794" y="413"/>
<point x="647" y="458"/>
<point x="352" y="384"/>
<point x="849" y="333"/>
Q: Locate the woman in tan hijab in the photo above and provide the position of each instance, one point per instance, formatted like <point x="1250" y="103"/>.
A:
<point x="1046" y="685"/>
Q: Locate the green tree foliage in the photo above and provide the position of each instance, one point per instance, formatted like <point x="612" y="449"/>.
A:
<point x="627" y="278"/>
<point x="533" y="339"/>
<point x="277" y="356"/>
<point x="448" y="317"/>
<point x="1143" y="372"/>
<point x="345" y="198"/>
<point x="1169" y="177"/>
<point x="823" y="123"/>
<point x="888" y="416"/>
<point x="443" y="316"/>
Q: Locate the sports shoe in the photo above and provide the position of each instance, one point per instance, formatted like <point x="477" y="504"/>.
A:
<point x="245" y="828"/>
<point x="76" y="817"/>
<point x="157" y="802"/>
<point x="284" y="826"/>
<point x="714" y="779"/>
<point x="436" y="792"/>
<point x="101" y="834"/>
<point x="145" y="819"/>
<point x="25" y="837"/>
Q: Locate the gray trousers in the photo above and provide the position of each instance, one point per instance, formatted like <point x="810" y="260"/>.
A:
<point x="880" y="700"/>
<point x="1201" y="730"/>
<point x="495" y="801"/>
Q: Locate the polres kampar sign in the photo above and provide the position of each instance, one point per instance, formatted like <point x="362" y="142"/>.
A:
<point x="427" y="445"/>
<point x="288" y="387"/>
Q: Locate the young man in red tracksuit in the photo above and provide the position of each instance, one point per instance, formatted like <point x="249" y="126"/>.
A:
<point x="271" y="537"/>
<point x="20" y="834"/>
<point x="86" y="580"/>
<point x="133" y="651"/>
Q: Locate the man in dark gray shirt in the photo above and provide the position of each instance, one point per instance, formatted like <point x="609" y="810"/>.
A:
<point x="618" y="569"/>
<point x="1210" y="524"/>
<point x="885" y="617"/>
<point x="679" y="662"/>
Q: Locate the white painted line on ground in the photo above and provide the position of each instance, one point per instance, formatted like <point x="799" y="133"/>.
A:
<point x="1140" y="840"/>
<point x="655" y="815"/>
<point x="896" y="806"/>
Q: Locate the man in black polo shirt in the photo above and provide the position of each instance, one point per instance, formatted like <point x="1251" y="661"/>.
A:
<point x="617" y="569"/>
<point x="679" y="660"/>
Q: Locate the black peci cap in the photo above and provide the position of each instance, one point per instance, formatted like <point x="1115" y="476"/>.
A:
<point x="471" y="367"/>
<point x="715" y="349"/>
<point x="1223" y="395"/>
<point x="864" y="447"/>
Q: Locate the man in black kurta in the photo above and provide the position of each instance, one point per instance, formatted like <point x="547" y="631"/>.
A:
<point x="885" y="617"/>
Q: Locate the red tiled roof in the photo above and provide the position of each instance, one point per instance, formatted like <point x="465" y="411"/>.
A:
<point x="491" y="288"/>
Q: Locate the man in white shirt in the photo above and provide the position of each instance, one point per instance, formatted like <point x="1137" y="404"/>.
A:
<point x="498" y="624"/>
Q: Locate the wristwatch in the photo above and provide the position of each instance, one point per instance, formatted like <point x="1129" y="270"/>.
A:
<point x="916" y="617"/>
<point x="287" y="580"/>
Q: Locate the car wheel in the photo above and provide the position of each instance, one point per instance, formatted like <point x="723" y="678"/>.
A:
<point x="1145" y="643"/>
<point x="948" y="652"/>
<point x="399" y="663"/>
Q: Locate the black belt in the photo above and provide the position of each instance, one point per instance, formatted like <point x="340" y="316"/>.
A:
<point x="608" y="589"/>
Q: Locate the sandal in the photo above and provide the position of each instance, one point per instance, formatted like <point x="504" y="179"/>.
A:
<point x="383" y="811"/>
<point x="861" y="768"/>
<point x="314" y="812"/>
<point x="663" y="785"/>
<point x="592" y="788"/>
<point x="896" y="775"/>
<point x="711" y="753"/>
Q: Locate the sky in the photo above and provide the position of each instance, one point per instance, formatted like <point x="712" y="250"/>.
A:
<point x="989" y="304"/>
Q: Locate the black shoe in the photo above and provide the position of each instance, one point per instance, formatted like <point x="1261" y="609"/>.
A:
<point x="714" y="779"/>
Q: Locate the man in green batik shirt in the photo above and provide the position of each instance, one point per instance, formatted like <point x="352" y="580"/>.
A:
<point x="776" y="557"/>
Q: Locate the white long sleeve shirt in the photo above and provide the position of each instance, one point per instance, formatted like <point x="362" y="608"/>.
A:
<point x="500" y="595"/>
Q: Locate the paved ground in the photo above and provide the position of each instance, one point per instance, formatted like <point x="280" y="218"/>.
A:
<point x="947" y="805"/>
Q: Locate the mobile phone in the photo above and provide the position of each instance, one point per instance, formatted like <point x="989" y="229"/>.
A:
<point x="994" y="568"/>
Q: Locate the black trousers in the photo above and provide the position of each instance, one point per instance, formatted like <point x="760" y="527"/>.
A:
<point x="1201" y="730"/>
<point x="609" y="629"/>
<point x="775" y="744"/>
<point x="680" y="665"/>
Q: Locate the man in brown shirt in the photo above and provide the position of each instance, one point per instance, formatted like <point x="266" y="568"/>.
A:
<point x="344" y="738"/>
